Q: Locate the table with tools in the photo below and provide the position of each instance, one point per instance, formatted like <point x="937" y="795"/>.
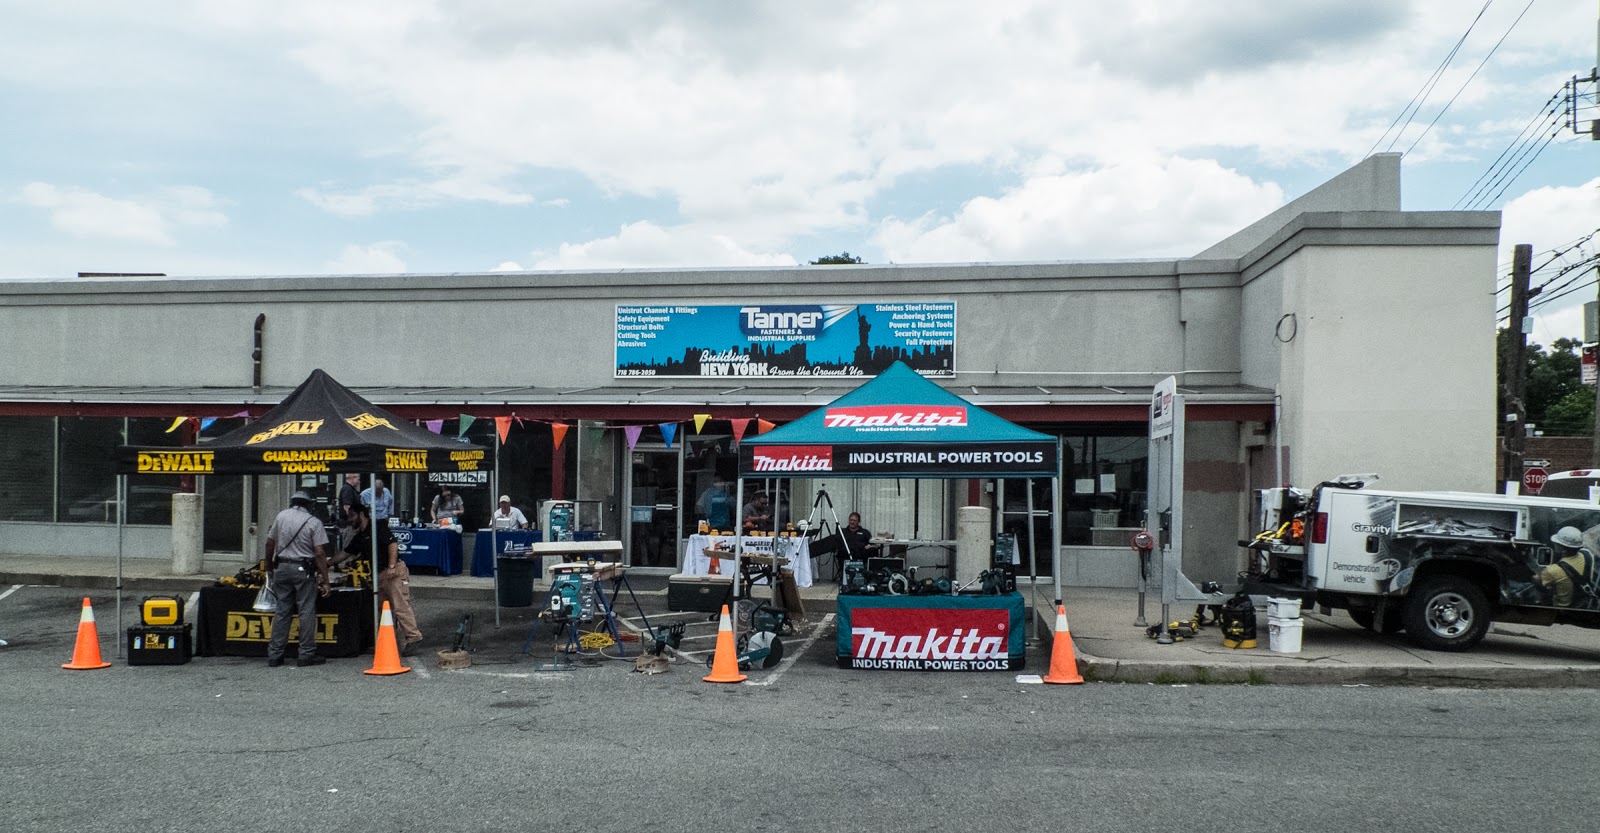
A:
<point x="797" y="549"/>
<point x="226" y="624"/>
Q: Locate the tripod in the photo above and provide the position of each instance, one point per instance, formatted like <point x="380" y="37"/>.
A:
<point x="816" y="523"/>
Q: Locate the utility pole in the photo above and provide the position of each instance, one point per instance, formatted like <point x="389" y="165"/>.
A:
<point x="1594" y="452"/>
<point x="1516" y="366"/>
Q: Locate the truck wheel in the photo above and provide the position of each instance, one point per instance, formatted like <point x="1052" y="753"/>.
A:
<point x="1366" y="617"/>
<point x="1446" y="613"/>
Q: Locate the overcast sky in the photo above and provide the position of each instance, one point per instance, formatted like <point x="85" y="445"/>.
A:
<point x="381" y="136"/>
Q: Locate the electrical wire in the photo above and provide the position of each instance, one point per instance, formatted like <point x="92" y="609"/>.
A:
<point x="1474" y="74"/>
<point x="1415" y="104"/>
<point x="1548" y="111"/>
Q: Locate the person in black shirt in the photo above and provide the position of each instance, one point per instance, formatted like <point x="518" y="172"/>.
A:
<point x="394" y="579"/>
<point x="349" y="502"/>
<point x="856" y="537"/>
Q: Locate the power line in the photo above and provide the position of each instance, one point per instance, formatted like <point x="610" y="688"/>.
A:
<point x="1415" y="104"/>
<point x="1547" y="112"/>
<point x="1474" y="74"/>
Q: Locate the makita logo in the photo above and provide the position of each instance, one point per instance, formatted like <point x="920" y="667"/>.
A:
<point x="793" y="458"/>
<point x="894" y="416"/>
<point x="934" y="644"/>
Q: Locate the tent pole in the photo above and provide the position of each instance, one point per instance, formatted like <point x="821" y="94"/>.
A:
<point x="372" y="517"/>
<point x="738" y="539"/>
<point x="1055" y="510"/>
<point x="122" y="491"/>
<point x="494" y="532"/>
<point x="1033" y="562"/>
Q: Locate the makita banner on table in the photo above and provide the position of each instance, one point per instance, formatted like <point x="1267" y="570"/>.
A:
<point x="766" y="341"/>
<point x="931" y="633"/>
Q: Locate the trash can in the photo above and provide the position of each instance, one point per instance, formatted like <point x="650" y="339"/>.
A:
<point x="516" y="581"/>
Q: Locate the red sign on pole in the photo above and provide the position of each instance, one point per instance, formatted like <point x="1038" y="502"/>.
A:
<point x="1533" y="480"/>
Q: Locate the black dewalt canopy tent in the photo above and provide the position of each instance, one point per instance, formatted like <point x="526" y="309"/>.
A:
<point x="322" y="427"/>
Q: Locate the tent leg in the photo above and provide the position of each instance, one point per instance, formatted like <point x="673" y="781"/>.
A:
<point x="1033" y="564"/>
<point x="122" y="491"/>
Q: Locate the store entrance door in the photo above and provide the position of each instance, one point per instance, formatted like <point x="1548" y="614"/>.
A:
<point x="653" y="513"/>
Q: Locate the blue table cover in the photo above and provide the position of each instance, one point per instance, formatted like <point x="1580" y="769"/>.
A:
<point x="437" y="548"/>
<point x="511" y="541"/>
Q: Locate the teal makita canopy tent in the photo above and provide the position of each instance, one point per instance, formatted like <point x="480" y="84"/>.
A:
<point x="902" y="425"/>
<point x="899" y="425"/>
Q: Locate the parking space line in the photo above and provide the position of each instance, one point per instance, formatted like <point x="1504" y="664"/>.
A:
<point x="13" y="589"/>
<point x="789" y="659"/>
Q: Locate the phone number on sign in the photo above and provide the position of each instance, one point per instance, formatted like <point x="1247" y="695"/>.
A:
<point x="637" y="371"/>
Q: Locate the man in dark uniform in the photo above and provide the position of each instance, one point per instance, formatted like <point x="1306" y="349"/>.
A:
<point x="296" y="546"/>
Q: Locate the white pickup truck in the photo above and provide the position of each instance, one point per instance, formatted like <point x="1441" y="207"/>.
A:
<point x="1439" y="565"/>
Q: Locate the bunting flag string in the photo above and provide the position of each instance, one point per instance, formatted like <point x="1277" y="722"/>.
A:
<point x="205" y="422"/>
<point x="739" y="425"/>
<point x="668" y="431"/>
<point x="175" y="423"/>
<point x="558" y="431"/>
<point x="502" y="426"/>
<point x="764" y="426"/>
<point x="700" y="421"/>
<point x="632" y="432"/>
<point x="466" y="423"/>
<point x="435" y="425"/>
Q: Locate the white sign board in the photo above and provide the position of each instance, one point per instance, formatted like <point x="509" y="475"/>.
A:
<point x="1161" y="407"/>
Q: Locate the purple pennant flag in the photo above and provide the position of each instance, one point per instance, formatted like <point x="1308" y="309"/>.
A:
<point x="632" y="432"/>
<point x="435" y="425"/>
<point x="668" y="431"/>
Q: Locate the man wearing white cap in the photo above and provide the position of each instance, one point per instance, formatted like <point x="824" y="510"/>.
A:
<point x="508" y="516"/>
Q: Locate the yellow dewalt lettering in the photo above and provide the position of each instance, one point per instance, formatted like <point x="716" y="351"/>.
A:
<point x="404" y="459"/>
<point x="366" y="422"/>
<point x="192" y="462"/>
<point x="303" y="427"/>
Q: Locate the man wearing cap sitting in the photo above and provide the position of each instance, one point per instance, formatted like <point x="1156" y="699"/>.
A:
<point x="508" y="516"/>
<point x="296" y="545"/>
<point x="1571" y="569"/>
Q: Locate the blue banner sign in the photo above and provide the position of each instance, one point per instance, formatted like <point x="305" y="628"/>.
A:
<point x="783" y="340"/>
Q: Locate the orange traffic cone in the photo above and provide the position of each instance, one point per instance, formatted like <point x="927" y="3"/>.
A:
<point x="1063" y="660"/>
<point x="386" y="657"/>
<point x="87" y="653"/>
<point x="725" y="662"/>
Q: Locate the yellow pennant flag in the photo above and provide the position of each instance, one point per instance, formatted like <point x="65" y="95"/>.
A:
<point x="177" y="421"/>
<point x="700" y="421"/>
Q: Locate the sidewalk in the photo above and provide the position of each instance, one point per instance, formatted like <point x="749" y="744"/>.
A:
<point x="1108" y="645"/>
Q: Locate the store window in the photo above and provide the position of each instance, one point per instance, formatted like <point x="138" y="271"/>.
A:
<point x="1104" y="473"/>
<point x="27" y="468"/>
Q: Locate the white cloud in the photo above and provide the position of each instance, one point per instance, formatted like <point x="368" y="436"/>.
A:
<point x="407" y="196"/>
<point x="646" y="245"/>
<point x="509" y="266"/>
<point x="1550" y="219"/>
<point x="382" y="258"/>
<point x="1171" y="208"/>
<point x="148" y="219"/>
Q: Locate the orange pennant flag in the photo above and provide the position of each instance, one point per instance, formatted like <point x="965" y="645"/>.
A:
<point x="502" y="425"/>
<point x="765" y="426"/>
<point x="559" y="431"/>
<point x="700" y="421"/>
<point x="738" y="428"/>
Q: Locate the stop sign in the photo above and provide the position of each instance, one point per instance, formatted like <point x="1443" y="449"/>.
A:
<point x="1533" y="480"/>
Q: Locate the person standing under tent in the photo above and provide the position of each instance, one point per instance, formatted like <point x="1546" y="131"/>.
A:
<point x="380" y="499"/>
<point x="296" y="544"/>
<point x="394" y="579"/>
<point x="447" y="506"/>
<point x="349" y="501"/>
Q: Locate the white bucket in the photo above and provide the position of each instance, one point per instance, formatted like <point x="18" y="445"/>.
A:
<point x="1283" y="635"/>
<point x="1283" y="608"/>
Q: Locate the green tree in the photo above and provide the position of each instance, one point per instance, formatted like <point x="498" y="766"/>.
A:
<point x="842" y="259"/>
<point x="1555" y="393"/>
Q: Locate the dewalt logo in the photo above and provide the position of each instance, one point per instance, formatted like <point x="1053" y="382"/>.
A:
<point x="405" y="459"/>
<point x="301" y="427"/>
<point x="367" y="422"/>
<point x="177" y="462"/>
<point x="249" y="626"/>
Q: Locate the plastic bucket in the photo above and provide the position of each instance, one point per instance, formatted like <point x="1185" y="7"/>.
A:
<point x="1283" y="635"/>
<point x="1283" y="608"/>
